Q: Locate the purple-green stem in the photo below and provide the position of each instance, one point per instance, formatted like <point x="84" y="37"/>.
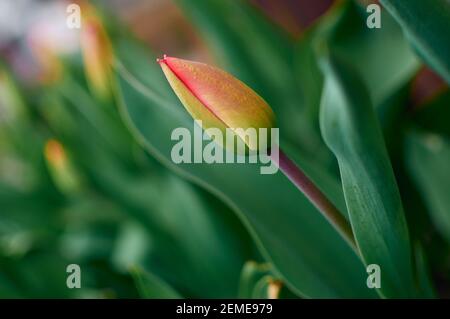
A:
<point x="315" y="196"/>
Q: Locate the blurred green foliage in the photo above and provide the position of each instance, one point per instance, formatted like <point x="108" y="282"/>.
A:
<point x="87" y="180"/>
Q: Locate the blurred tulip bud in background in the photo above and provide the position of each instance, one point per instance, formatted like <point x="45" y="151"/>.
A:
<point x="218" y="99"/>
<point x="64" y="175"/>
<point x="50" y="42"/>
<point x="12" y="107"/>
<point x="274" y="289"/>
<point x="49" y="63"/>
<point x="97" y="51"/>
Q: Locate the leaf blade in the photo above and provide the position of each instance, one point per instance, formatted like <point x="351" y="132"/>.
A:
<point x="350" y="129"/>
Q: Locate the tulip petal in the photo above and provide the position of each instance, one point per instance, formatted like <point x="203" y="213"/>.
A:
<point x="216" y="97"/>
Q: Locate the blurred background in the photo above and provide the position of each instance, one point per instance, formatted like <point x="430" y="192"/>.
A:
<point x="78" y="187"/>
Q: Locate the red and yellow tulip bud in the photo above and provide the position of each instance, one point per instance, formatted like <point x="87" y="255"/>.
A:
<point x="97" y="52"/>
<point x="217" y="98"/>
<point x="63" y="173"/>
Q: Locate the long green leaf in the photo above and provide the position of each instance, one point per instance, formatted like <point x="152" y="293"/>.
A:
<point x="221" y="23"/>
<point x="428" y="158"/>
<point x="433" y="116"/>
<point x="427" y="23"/>
<point x="350" y="129"/>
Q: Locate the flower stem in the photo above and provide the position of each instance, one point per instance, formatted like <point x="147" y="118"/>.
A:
<point x="315" y="195"/>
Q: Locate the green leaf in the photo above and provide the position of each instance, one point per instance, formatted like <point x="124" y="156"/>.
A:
<point x="151" y="286"/>
<point x="281" y="69"/>
<point x="427" y="24"/>
<point x="428" y="158"/>
<point x="266" y="63"/>
<point x="210" y="246"/>
<point x="351" y="131"/>
<point x="287" y="228"/>
<point x="382" y="56"/>
<point x="262" y="286"/>
<point x="8" y="288"/>
<point x="433" y="116"/>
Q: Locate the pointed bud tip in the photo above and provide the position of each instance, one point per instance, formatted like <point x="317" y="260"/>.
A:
<point x="163" y="60"/>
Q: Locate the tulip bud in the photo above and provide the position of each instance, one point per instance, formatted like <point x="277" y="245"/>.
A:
<point x="218" y="99"/>
<point x="97" y="52"/>
<point x="63" y="173"/>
